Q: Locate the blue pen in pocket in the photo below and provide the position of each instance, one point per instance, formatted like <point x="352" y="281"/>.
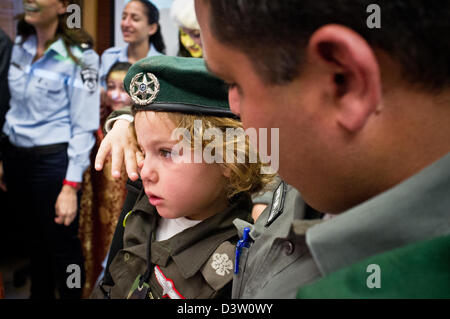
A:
<point x="243" y="242"/>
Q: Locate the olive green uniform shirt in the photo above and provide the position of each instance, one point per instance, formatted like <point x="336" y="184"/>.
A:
<point x="411" y="219"/>
<point x="277" y="260"/>
<point x="196" y="263"/>
<point x="403" y="231"/>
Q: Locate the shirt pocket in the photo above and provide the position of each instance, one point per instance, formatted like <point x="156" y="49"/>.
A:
<point x="51" y="94"/>
<point x="16" y="79"/>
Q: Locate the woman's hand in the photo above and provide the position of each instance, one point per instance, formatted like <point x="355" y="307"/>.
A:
<point x="66" y="205"/>
<point x="120" y="143"/>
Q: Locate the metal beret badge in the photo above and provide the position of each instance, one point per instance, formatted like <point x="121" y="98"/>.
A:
<point x="144" y="88"/>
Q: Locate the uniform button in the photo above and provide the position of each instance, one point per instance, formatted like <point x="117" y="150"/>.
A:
<point x="288" y="247"/>
<point x="126" y="257"/>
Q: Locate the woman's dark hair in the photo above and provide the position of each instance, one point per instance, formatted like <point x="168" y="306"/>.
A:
<point x="75" y="36"/>
<point x="152" y="13"/>
<point x="118" y="66"/>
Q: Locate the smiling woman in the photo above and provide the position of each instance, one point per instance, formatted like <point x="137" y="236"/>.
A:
<point x="44" y="13"/>
<point x="142" y="33"/>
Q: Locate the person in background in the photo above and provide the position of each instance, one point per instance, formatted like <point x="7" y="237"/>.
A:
<point x="142" y="33"/>
<point x="54" y="112"/>
<point x="5" y="54"/>
<point x="103" y="196"/>
<point x="183" y="13"/>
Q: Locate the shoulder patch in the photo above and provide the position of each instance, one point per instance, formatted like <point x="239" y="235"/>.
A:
<point x="89" y="76"/>
<point x="218" y="270"/>
<point x="277" y="203"/>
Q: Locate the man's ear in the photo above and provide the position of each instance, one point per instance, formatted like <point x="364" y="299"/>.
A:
<point x="353" y="69"/>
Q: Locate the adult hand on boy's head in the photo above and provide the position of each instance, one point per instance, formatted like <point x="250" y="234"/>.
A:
<point x="120" y="144"/>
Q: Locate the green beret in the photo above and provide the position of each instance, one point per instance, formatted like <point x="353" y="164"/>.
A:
<point x="176" y="84"/>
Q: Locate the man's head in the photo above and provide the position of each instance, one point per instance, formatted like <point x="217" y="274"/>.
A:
<point x="352" y="103"/>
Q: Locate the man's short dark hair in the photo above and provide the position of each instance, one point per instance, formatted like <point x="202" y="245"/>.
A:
<point x="415" y="33"/>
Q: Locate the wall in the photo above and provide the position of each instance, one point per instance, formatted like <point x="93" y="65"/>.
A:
<point x="8" y="10"/>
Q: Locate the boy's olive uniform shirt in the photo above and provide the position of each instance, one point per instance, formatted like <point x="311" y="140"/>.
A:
<point x="196" y="263"/>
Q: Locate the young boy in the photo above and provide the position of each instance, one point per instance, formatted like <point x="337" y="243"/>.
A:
<point x="179" y="238"/>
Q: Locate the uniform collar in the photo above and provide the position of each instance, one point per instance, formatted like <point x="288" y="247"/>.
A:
<point x="31" y="43"/>
<point x="58" y="47"/>
<point x="191" y="248"/>
<point x="415" y="210"/>
<point x="123" y="55"/>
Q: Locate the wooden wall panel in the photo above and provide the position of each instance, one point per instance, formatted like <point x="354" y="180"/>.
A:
<point x="105" y="23"/>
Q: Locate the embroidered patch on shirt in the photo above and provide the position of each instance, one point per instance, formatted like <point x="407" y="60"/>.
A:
<point x="218" y="270"/>
<point x="90" y="79"/>
<point x="167" y="285"/>
<point x="222" y="264"/>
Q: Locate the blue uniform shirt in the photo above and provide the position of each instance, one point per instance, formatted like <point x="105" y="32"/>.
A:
<point x="54" y="100"/>
<point x="117" y="54"/>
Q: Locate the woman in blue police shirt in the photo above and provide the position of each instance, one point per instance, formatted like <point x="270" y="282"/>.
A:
<point x="54" y="112"/>
<point x="142" y="33"/>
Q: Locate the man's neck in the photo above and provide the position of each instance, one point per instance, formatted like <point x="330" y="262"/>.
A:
<point x="413" y="131"/>
<point x="416" y="133"/>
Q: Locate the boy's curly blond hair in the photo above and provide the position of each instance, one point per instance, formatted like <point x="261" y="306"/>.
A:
<point x="245" y="177"/>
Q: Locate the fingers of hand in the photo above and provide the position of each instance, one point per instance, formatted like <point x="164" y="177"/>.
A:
<point x="65" y="208"/>
<point x="117" y="155"/>
<point x="65" y="218"/>
<point x="140" y="159"/>
<point x="130" y="163"/>
<point x="103" y="152"/>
